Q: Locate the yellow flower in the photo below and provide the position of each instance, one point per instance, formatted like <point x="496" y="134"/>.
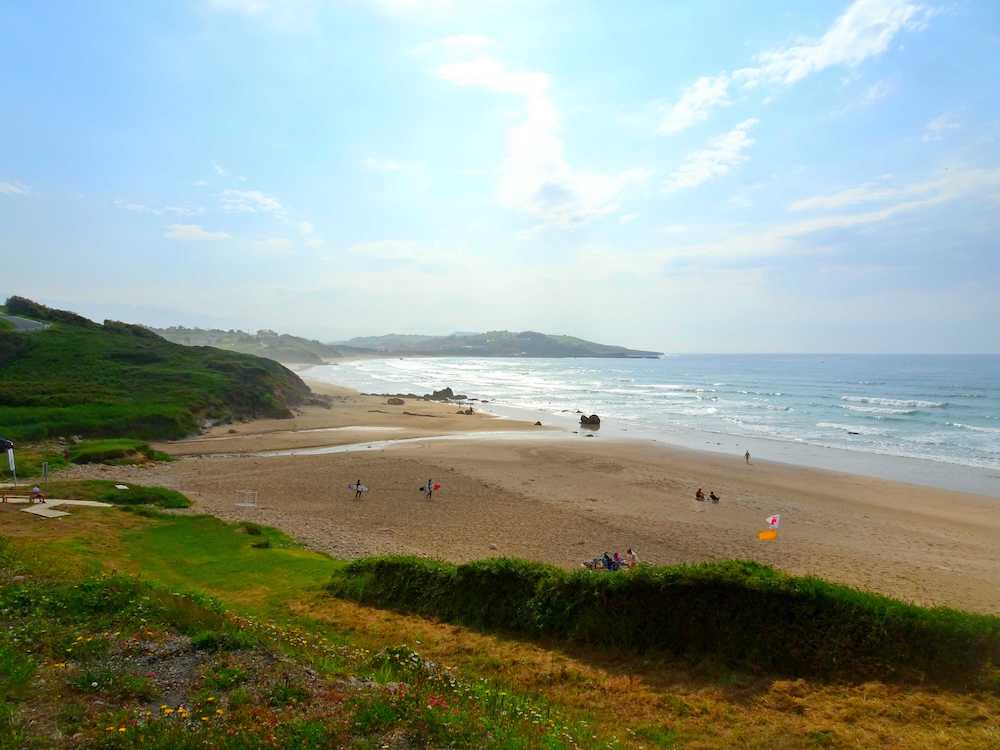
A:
<point x="219" y="712"/>
<point x="210" y="698"/>
<point x="121" y="729"/>
<point x="204" y="718"/>
<point x="109" y="729"/>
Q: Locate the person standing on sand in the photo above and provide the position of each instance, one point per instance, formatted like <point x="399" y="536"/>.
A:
<point x="430" y="489"/>
<point x="357" y="490"/>
<point x="747" y="457"/>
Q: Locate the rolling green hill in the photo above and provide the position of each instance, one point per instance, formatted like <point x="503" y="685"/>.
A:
<point x="78" y="377"/>
<point x="281" y="347"/>
<point x="495" y="344"/>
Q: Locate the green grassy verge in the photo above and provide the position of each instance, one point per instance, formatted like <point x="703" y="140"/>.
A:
<point x="115" y="451"/>
<point x="105" y="491"/>
<point x="119" y="663"/>
<point x="81" y="378"/>
<point x="747" y="614"/>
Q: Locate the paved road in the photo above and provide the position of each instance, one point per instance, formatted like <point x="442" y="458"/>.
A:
<point x="23" y="324"/>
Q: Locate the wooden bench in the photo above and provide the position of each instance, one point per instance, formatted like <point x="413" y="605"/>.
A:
<point x="5" y="497"/>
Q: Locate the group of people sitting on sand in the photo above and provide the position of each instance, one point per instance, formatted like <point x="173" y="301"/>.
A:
<point x="700" y="496"/>
<point x="612" y="563"/>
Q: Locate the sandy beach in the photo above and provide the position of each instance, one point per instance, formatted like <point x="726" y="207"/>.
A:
<point x="512" y="488"/>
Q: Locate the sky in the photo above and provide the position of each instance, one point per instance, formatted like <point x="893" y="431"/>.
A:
<point x="697" y="176"/>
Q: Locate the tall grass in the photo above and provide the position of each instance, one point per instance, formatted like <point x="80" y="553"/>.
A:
<point x="747" y="614"/>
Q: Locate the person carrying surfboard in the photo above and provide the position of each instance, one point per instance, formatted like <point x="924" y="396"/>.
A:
<point x="428" y="489"/>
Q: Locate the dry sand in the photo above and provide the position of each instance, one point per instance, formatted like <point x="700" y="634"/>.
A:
<point x="566" y="498"/>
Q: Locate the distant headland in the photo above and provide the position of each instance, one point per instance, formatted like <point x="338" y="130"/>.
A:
<point x="288" y="348"/>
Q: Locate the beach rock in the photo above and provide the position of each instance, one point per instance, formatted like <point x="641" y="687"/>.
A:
<point x="493" y="546"/>
<point x="394" y="401"/>
<point x="442" y="395"/>
<point x="593" y="420"/>
<point x="538" y="424"/>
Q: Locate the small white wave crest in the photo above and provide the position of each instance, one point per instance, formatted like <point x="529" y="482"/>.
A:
<point x="975" y="428"/>
<point x="878" y="410"/>
<point x="895" y="402"/>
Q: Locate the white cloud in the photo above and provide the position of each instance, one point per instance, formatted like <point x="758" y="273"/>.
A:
<point x="717" y="159"/>
<point x="628" y="218"/>
<point x="695" y="103"/>
<point x="877" y="92"/>
<point x="935" y="130"/>
<point x="901" y="199"/>
<point x="192" y="232"/>
<point x="863" y="32"/>
<point x="13" y="188"/>
<point x="946" y="185"/>
<point x="250" y="201"/>
<point x="140" y="208"/>
<point x="535" y="176"/>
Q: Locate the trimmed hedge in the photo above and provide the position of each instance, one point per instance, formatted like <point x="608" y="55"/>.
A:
<point x="747" y="614"/>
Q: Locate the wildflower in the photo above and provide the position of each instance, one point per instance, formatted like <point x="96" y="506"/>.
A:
<point x="219" y="712"/>
<point x="121" y="729"/>
<point x="210" y="698"/>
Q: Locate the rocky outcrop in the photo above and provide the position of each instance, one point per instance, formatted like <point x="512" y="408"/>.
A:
<point x="592" y="421"/>
<point x="445" y="394"/>
<point x="395" y="401"/>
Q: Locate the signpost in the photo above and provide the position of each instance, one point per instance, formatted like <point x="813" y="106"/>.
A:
<point x="6" y="445"/>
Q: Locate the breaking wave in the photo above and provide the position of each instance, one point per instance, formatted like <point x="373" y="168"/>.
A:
<point x="895" y="402"/>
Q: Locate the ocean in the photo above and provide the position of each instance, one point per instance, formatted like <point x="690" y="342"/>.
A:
<point x="938" y="409"/>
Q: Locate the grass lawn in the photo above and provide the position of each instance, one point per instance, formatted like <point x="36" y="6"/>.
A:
<point x="602" y="697"/>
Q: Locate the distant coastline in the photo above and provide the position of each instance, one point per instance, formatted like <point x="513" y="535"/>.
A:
<point x="287" y="348"/>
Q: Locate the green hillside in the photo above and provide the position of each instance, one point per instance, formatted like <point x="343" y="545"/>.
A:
<point x="281" y="347"/>
<point x="77" y="377"/>
<point x="495" y="344"/>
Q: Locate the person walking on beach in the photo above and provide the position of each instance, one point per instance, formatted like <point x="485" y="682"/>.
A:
<point x="357" y="490"/>
<point x="747" y="457"/>
<point x="430" y="489"/>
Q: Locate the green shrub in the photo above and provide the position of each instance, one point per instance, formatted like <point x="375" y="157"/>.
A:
<point x="114" y="450"/>
<point x="254" y="529"/>
<point x="744" y="613"/>
<point x="221" y="640"/>
<point x="159" y="496"/>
